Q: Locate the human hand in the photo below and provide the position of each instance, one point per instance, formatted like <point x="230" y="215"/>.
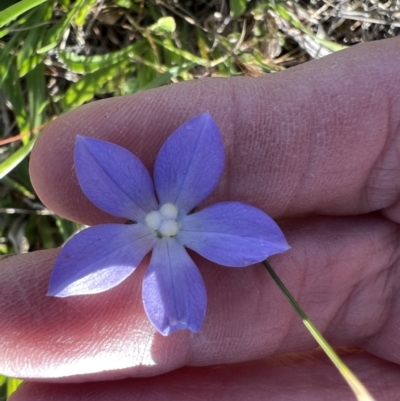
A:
<point x="317" y="147"/>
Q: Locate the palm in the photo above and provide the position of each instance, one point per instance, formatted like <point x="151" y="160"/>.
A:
<point x="317" y="147"/>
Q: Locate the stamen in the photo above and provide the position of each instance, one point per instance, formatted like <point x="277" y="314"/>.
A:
<point x="154" y="220"/>
<point x="169" y="228"/>
<point x="163" y="221"/>
<point x="169" y="211"/>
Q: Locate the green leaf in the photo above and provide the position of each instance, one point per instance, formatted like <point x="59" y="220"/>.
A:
<point x="83" y="12"/>
<point x="11" y="13"/>
<point x="127" y="4"/>
<point x="237" y="7"/>
<point x="13" y="93"/>
<point x="84" y="64"/>
<point x="55" y="34"/>
<point x="146" y="73"/>
<point x="12" y="385"/>
<point x="3" y="379"/>
<point x="12" y="161"/>
<point x="37" y="100"/>
<point x="27" y="59"/>
<point x="135" y="85"/>
<point x="259" y="61"/>
<point x="170" y="58"/>
<point x="168" y="45"/>
<point x="5" y="58"/>
<point x="163" y="25"/>
<point x="20" y="22"/>
<point x="31" y="63"/>
<point x="202" y="44"/>
<point x="90" y="84"/>
<point x="65" y="4"/>
<point x="160" y="80"/>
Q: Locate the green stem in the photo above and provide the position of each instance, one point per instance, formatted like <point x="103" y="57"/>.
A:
<point x="358" y="388"/>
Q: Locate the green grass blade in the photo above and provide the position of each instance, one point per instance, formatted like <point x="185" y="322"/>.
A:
<point x="13" y="92"/>
<point x="65" y="4"/>
<point x="145" y="72"/>
<point x="90" y="64"/>
<point x="37" y="100"/>
<point x="202" y="44"/>
<point x="159" y="80"/>
<point x="3" y="379"/>
<point x="19" y="23"/>
<point x="133" y="85"/>
<point x="296" y="23"/>
<point x="12" y="385"/>
<point x="5" y="58"/>
<point x="27" y="58"/>
<point x="12" y="161"/>
<point x="9" y="182"/>
<point x="168" y="45"/>
<point x="129" y="4"/>
<point x="55" y="33"/>
<point x="83" y="12"/>
<point x="90" y="84"/>
<point x="11" y="13"/>
<point x="359" y="390"/>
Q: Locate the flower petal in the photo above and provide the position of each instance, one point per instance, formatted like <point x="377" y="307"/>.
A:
<point x="190" y="163"/>
<point x="174" y="294"/>
<point x="114" y="179"/>
<point x="99" y="258"/>
<point x="232" y="234"/>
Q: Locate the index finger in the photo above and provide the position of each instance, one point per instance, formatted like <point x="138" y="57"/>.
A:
<point x="318" y="138"/>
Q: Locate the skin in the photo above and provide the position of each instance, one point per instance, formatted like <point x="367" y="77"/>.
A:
<point x="318" y="148"/>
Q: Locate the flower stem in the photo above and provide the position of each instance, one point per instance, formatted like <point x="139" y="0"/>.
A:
<point x="361" y="393"/>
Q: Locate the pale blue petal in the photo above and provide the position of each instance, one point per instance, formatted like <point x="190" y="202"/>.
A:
<point x="190" y="163"/>
<point x="114" y="179"/>
<point x="99" y="258"/>
<point x="232" y="234"/>
<point x="174" y="294"/>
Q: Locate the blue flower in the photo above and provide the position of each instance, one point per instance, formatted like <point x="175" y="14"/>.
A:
<point x="187" y="169"/>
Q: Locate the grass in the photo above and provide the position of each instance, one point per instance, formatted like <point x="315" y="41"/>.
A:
<point x="57" y="55"/>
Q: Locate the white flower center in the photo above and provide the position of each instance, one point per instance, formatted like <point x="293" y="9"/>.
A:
<point x="163" y="221"/>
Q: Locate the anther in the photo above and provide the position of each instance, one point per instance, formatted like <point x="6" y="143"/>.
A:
<point x="163" y="221"/>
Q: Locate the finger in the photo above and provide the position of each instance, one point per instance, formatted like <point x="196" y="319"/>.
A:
<point x="319" y="138"/>
<point x="343" y="271"/>
<point x="308" y="376"/>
